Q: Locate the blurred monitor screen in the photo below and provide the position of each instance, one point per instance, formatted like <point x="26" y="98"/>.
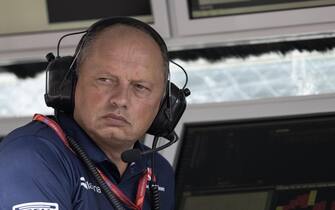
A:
<point x="254" y="154"/>
<point x="64" y="11"/>
<point x="17" y="16"/>
<point x="214" y="8"/>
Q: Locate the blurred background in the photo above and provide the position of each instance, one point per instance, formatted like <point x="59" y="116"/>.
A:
<point x="258" y="132"/>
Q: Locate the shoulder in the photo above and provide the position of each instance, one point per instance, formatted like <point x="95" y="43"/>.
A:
<point x="32" y="135"/>
<point x="30" y="147"/>
<point x="35" y="166"/>
<point x="162" y="164"/>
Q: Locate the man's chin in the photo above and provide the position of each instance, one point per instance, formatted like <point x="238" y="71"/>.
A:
<point x="118" y="136"/>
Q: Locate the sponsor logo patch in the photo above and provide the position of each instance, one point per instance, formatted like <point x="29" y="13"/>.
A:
<point x="89" y="186"/>
<point x="36" y="206"/>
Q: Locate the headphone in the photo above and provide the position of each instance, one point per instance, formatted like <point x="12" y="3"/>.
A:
<point x="61" y="79"/>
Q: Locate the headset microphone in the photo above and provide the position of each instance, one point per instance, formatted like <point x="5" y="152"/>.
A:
<point x="135" y="154"/>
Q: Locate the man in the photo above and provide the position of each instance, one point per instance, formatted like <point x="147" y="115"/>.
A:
<point x="121" y="77"/>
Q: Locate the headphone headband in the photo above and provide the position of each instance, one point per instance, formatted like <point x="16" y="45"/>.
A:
<point x="108" y="22"/>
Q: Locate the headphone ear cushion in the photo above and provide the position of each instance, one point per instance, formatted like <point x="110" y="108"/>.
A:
<point x="60" y="82"/>
<point x="172" y="108"/>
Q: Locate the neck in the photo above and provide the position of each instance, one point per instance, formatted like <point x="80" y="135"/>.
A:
<point x="115" y="157"/>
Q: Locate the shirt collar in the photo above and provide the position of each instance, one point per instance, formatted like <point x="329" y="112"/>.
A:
<point x="71" y="128"/>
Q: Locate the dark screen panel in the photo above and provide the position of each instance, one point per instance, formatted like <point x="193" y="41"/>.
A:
<point x="75" y="10"/>
<point x="255" y="154"/>
<point x="319" y="198"/>
<point x="214" y="8"/>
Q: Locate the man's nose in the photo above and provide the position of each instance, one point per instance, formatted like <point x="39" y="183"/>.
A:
<point x="120" y="95"/>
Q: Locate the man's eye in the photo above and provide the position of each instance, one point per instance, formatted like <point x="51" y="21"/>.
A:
<point x="140" y="87"/>
<point x="141" y="90"/>
<point x="106" y="80"/>
<point x="103" y="79"/>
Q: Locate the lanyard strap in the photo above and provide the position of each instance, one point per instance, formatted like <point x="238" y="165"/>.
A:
<point x="117" y="192"/>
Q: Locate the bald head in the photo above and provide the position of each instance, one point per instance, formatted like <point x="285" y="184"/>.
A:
<point x="115" y="31"/>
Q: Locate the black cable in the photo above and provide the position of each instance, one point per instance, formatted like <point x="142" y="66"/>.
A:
<point x="153" y="185"/>
<point x="91" y="167"/>
<point x="154" y="146"/>
<point x="186" y="75"/>
<point x="69" y="34"/>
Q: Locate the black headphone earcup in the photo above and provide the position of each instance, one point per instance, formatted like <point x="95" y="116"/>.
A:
<point x="60" y="81"/>
<point x="172" y="108"/>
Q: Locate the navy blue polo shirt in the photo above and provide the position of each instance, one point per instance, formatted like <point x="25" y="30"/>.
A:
<point x="37" y="171"/>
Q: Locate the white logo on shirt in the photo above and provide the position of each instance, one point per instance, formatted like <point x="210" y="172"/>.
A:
<point x="162" y="189"/>
<point x="89" y="186"/>
<point x="36" y="206"/>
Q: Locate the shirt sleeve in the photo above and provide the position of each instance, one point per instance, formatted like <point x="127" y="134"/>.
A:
<point x="33" y="173"/>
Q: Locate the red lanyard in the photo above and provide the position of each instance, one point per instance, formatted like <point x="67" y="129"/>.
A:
<point x="118" y="193"/>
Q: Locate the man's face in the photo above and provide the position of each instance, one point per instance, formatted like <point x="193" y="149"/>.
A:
<point x="120" y="86"/>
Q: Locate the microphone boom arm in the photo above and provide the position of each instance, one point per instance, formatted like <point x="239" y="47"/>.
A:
<point x="134" y="154"/>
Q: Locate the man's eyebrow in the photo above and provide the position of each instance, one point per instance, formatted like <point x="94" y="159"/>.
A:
<point x="141" y="81"/>
<point x="106" y="74"/>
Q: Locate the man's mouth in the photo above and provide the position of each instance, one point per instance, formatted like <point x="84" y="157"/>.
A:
<point x="115" y="120"/>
